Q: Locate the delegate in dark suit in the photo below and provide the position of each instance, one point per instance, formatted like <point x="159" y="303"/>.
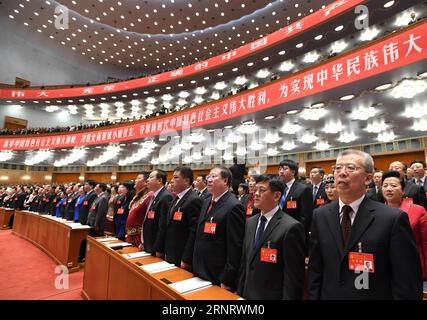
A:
<point x="177" y="231"/>
<point x="97" y="215"/>
<point x="375" y="194"/>
<point x="274" y="281"/>
<point x="87" y="204"/>
<point x="217" y="256"/>
<point x="71" y="205"/>
<point x="302" y="194"/>
<point x="204" y="194"/>
<point x="382" y="231"/>
<point x="160" y="207"/>
<point x="416" y="193"/>
<point x="320" y="197"/>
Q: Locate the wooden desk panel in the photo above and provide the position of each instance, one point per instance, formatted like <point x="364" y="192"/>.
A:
<point x="57" y="239"/>
<point x="5" y="215"/>
<point x="125" y="279"/>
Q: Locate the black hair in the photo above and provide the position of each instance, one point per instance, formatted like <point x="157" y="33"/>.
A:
<point x="92" y="183"/>
<point x="203" y="176"/>
<point x="393" y="174"/>
<point x="146" y="174"/>
<point x="291" y="164"/>
<point x="244" y="186"/>
<point x="225" y="173"/>
<point x="102" y="186"/>
<point x="321" y="170"/>
<point x="186" y="173"/>
<point x="275" y="183"/>
<point x="418" y="161"/>
<point x="160" y="174"/>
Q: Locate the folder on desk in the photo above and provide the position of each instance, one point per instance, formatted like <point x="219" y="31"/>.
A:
<point x="190" y="285"/>
<point x="158" y="267"/>
<point x="107" y="239"/>
<point x="135" y="255"/>
<point x="118" y="244"/>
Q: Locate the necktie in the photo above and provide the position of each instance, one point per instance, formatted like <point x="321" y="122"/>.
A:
<point x="314" y="192"/>
<point x="259" y="232"/>
<point x="211" y="206"/>
<point x="283" y="198"/>
<point x="175" y="201"/>
<point x="346" y="222"/>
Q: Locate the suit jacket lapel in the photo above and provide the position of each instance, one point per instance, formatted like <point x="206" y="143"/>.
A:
<point x="291" y="191"/>
<point x="178" y="205"/>
<point x="218" y="205"/>
<point x="274" y="222"/>
<point x="333" y="219"/>
<point x="363" y="219"/>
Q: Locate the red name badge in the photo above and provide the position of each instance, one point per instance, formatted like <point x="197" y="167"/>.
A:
<point x="291" y="204"/>
<point x="358" y="261"/>
<point x="85" y="203"/>
<point x="120" y="210"/>
<point x="320" y="202"/>
<point x="249" y="211"/>
<point x="54" y="201"/>
<point x="150" y="214"/>
<point x="177" y="216"/>
<point x="210" y="227"/>
<point x="409" y="200"/>
<point x="65" y="203"/>
<point x="93" y="207"/>
<point x="268" y="255"/>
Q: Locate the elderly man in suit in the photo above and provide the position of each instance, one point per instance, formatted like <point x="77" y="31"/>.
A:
<point x="157" y="209"/>
<point x="201" y="186"/>
<point x="220" y="233"/>
<point x="178" y="228"/>
<point x="98" y="211"/>
<point x="354" y="230"/>
<point x="273" y="250"/>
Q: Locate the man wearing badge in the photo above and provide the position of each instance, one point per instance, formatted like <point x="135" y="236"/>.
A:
<point x="273" y="257"/>
<point x="220" y="232"/>
<point x="355" y="229"/>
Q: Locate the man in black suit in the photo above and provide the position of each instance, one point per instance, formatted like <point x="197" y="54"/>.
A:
<point x="88" y="187"/>
<point x="157" y="209"/>
<point x="71" y="203"/>
<point x="201" y="185"/>
<point x="418" y="167"/>
<point x="19" y="198"/>
<point x="273" y="260"/>
<point x="297" y="198"/>
<point x="244" y="195"/>
<point x="98" y="211"/>
<point x="375" y="193"/>
<point x="354" y="230"/>
<point x="318" y="187"/>
<point x="177" y="231"/>
<point x="413" y="193"/>
<point x="220" y="233"/>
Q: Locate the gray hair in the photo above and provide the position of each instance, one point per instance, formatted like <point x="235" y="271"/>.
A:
<point x="368" y="162"/>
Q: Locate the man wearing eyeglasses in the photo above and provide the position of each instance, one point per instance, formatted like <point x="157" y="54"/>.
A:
<point x="347" y="233"/>
<point x="273" y="257"/>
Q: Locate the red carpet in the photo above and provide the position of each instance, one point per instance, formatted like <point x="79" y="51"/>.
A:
<point x="27" y="273"/>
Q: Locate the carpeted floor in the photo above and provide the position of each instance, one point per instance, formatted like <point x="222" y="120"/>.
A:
<point x="26" y="272"/>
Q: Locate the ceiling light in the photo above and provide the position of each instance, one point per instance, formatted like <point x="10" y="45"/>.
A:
<point x="272" y="152"/>
<point x="183" y="94"/>
<point x="265" y="59"/>
<point x="250" y="64"/>
<point x="248" y="128"/>
<point x="347" y="137"/>
<point x="51" y="108"/>
<point x="286" y="66"/>
<point x="308" y="138"/>
<point x="228" y="127"/>
<point x="363" y="113"/>
<point x="388" y="4"/>
<point x="311" y="57"/>
<point x="288" y="145"/>
<point x="313" y="113"/>
<point x="319" y="37"/>
<point x="339" y="46"/>
<point x="333" y="127"/>
<point x="234" y="137"/>
<point x="299" y="45"/>
<point x="220" y="85"/>
<point x="423" y="75"/>
<point x="322" y="145"/>
<point x="290" y="128"/>
<point x="200" y="90"/>
<point x="5" y="155"/>
<point x="386" y="136"/>
<point x="419" y="125"/>
<point x="235" y="69"/>
<point x="415" y="111"/>
<point x="269" y="118"/>
<point x="272" y="138"/>
<point x="383" y="87"/>
<point x="262" y="74"/>
<point x="369" y="34"/>
<point x="281" y="53"/>
<point x="408" y="89"/>
<point x="348" y="97"/>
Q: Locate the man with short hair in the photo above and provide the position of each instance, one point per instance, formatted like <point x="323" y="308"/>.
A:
<point x="88" y="188"/>
<point x="157" y="209"/>
<point x="201" y="185"/>
<point x="98" y="211"/>
<point x="355" y="229"/>
<point x="413" y="193"/>
<point x="419" y="178"/>
<point x="297" y="198"/>
<point x="273" y="260"/>
<point x="318" y="186"/>
<point x="177" y="231"/>
<point x="375" y="193"/>
<point x="220" y="233"/>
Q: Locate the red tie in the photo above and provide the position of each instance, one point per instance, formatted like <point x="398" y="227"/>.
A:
<point x="211" y="206"/>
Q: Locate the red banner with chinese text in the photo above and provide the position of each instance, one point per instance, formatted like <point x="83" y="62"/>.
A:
<point x="308" y="22"/>
<point x="404" y="48"/>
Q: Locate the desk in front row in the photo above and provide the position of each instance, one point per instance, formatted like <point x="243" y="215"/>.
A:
<point x="110" y="276"/>
<point x="5" y="215"/>
<point x="59" y="238"/>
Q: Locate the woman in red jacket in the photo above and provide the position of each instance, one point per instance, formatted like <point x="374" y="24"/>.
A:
<point x="392" y="188"/>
